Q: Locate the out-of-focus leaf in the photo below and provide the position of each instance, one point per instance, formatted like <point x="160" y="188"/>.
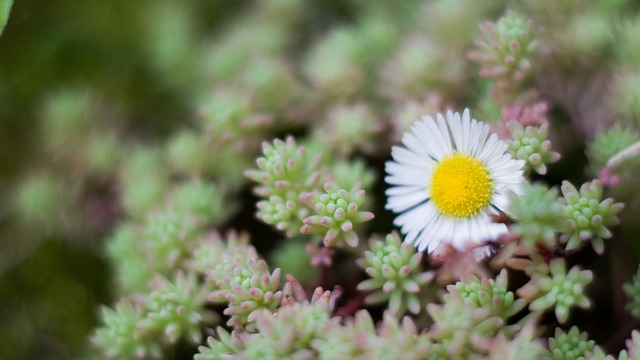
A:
<point x="5" y="9"/>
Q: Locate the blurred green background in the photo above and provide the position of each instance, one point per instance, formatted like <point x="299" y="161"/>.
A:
<point x="51" y="284"/>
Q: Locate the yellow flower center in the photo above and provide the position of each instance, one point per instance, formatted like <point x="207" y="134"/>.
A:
<point x="461" y="186"/>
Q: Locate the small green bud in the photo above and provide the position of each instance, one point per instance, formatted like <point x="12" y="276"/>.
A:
<point x="284" y="174"/>
<point x="558" y="289"/>
<point x="176" y="309"/>
<point x="507" y="52"/>
<point x="337" y="212"/>
<point x="532" y="145"/>
<point x="395" y="273"/>
<point x="587" y="215"/>
<point x="570" y="345"/>
<point x="120" y="337"/>
<point x="538" y="215"/>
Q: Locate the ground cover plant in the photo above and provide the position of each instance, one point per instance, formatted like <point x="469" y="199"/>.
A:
<point x="294" y="179"/>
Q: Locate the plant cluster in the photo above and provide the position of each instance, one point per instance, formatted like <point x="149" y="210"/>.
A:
<point x="503" y="138"/>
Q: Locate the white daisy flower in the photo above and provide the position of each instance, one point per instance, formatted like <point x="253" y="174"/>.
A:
<point x="447" y="181"/>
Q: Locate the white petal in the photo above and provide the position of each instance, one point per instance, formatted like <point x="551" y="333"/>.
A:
<point x="419" y="236"/>
<point x="492" y="149"/>
<point x="393" y="168"/>
<point x="444" y="132"/>
<point x="501" y="201"/>
<point x="456" y="128"/>
<point x="480" y="132"/>
<point x="401" y="190"/>
<point x="432" y="138"/>
<point x="399" y="175"/>
<point x="465" y="132"/>
<point x="464" y="232"/>
<point x="401" y="203"/>
<point x="432" y="232"/>
<point x="414" y="218"/>
<point x="446" y="230"/>
<point x="404" y="156"/>
<point x="474" y="226"/>
<point x="488" y="230"/>
<point x="421" y="243"/>
<point x="414" y="144"/>
<point x="422" y="235"/>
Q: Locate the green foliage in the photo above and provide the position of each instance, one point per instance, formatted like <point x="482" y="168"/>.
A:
<point x="572" y="345"/>
<point x="238" y="278"/>
<point x="331" y="65"/>
<point x="205" y="202"/>
<point x="337" y="211"/>
<point x="124" y="249"/>
<point x="633" y="346"/>
<point x="44" y="202"/>
<point x="284" y="174"/>
<point x="608" y="143"/>
<point x="103" y="154"/>
<point x="166" y="237"/>
<point x="558" y="289"/>
<point x="248" y="288"/>
<point x="163" y="242"/>
<point x="632" y="350"/>
<point x="306" y="330"/>
<point x="287" y="334"/>
<point x="463" y="319"/>
<point x="349" y="128"/>
<point x="144" y="327"/>
<point x="399" y="340"/>
<point x="507" y="52"/>
<point x="120" y="337"/>
<point x="224" y="347"/>
<point x="169" y="34"/>
<point x="187" y="153"/>
<point x="227" y="115"/>
<point x="538" y="215"/>
<point x="491" y="294"/>
<point x="5" y="9"/>
<point x="625" y="48"/>
<point x="532" y="145"/>
<point x="588" y="215"/>
<point x="421" y="63"/>
<point x="213" y="252"/>
<point x="338" y="343"/>
<point x="396" y="275"/>
<point x="350" y="173"/>
<point x="176" y="309"/>
<point x="625" y="97"/>
<point x="144" y="181"/>
<point x="632" y="290"/>
<point x="274" y="88"/>
<point x="585" y="39"/>
<point x="523" y="346"/>
<point x="66" y="116"/>
<point x="293" y="258"/>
